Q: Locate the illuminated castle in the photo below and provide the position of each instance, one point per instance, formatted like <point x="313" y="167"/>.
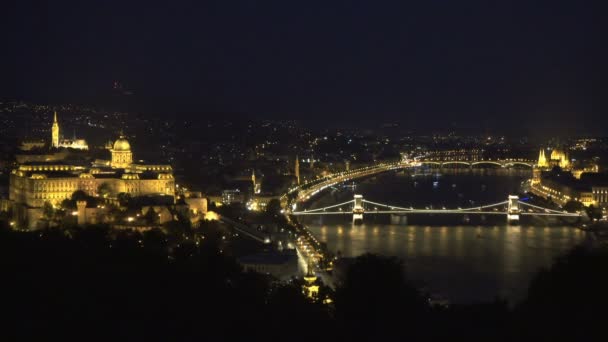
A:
<point x="557" y="158"/>
<point x="56" y="142"/>
<point x="33" y="184"/>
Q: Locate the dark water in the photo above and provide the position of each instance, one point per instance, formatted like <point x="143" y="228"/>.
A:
<point x="467" y="262"/>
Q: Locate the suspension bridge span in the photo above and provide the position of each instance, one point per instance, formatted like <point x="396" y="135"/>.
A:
<point x="512" y="209"/>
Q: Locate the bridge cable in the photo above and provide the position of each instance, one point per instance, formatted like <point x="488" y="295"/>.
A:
<point x="329" y="207"/>
<point x="541" y="208"/>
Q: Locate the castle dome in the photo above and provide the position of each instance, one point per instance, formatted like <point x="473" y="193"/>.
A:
<point x="122" y="145"/>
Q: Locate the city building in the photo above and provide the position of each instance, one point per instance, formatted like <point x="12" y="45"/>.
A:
<point x="557" y="158"/>
<point x="195" y="201"/>
<point x="57" y="141"/>
<point x="230" y="196"/>
<point x="598" y="182"/>
<point x="28" y="145"/>
<point x="260" y="202"/>
<point x="257" y="185"/>
<point x="34" y="183"/>
<point x="600" y="195"/>
<point x="563" y="186"/>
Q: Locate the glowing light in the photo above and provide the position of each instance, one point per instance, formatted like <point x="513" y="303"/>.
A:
<point x="212" y="216"/>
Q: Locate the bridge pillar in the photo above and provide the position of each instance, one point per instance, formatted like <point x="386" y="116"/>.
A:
<point x="513" y="209"/>
<point x="358" y="209"/>
<point x="398" y="219"/>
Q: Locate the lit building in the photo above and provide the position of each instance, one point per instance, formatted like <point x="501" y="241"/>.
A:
<point x="297" y="170"/>
<point x="310" y="287"/>
<point x="28" y="145"/>
<point x="57" y="142"/>
<point x="257" y="186"/>
<point x="542" y="160"/>
<point x="232" y="196"/>
<point x="34" y="183"/>
<point x="563" y="186"/>
<point x="260" y="202"/>
<point x="122" y="156"/>
<point x="600" y="195"/>
<point x="557" y="158"/>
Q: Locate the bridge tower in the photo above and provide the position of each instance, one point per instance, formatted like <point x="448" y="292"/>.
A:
<point x="358" y="209"/>
<point x="513" y="209"/>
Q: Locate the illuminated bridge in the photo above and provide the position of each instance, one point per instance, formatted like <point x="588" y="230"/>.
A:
<point x="313" y="187"/>
<point x="504" y="163"/>
<point x="512" y="208"/>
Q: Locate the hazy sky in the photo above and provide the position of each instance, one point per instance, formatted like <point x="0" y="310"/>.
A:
<point x="421" y="63"/>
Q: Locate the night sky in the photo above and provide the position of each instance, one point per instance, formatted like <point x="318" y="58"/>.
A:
<point x="423" y="64"/>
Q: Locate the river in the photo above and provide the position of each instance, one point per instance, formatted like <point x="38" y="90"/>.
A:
<point x="466" y="261"/>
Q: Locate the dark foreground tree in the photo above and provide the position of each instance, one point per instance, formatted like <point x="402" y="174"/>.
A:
<point x="125" y="285"/>
<point x="376" y="301"/>
<point x="568" y="301"/>
<point x="273" y="207"/>
<point x="117" y="285"/>
<point x="573" y="206"/>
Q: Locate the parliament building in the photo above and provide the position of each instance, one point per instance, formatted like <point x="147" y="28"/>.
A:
<point x="34" y="183"/>
<point x="558" y="157"/>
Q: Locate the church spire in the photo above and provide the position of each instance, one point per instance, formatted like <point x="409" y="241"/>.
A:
<point x="297" y="169"/>
<point x="542" y="159"/>
<point x="55" y="132"/>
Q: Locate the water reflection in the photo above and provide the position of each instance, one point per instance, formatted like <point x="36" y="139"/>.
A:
<point x="467" y="263"/>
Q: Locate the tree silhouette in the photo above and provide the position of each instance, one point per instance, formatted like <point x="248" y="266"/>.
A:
<point x="375" y="293"/>
<point x="124" y="199"/>
<point x="104" y="189"/>
<point x="573" y="206"/>
<point x="124" y="283"/>
<point x="151" y="217"/>
<point x="594" y="213"/>
<point x="569" y="300"/>
<point x="48" y="212"/>
<point x="79" y="195"/>
<point x="273" y="207"/>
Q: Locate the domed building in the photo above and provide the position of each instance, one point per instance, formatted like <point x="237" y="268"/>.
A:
<point x="33" y="184"/>
<point x="557" y="158"/>
<point x="122" y="157"/>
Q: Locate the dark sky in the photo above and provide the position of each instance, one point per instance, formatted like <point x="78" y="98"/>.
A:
<point x="428" y="63"/>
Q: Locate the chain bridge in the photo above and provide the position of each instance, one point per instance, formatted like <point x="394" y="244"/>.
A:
<point x="512" y="209"/>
